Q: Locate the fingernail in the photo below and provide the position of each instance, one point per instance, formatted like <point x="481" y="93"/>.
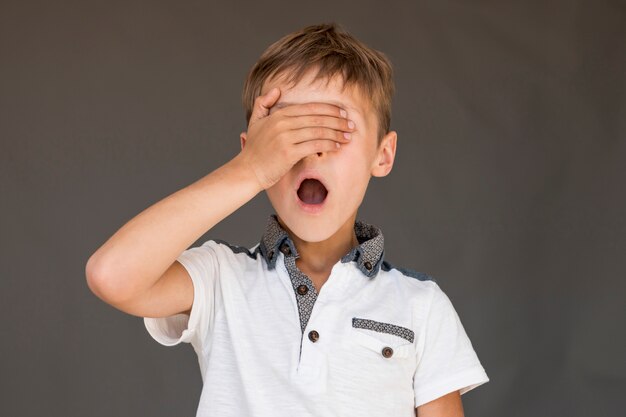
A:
<point x="347" y="135"/>
<point x="350" y="124"/>
<point x="343" y="113"/>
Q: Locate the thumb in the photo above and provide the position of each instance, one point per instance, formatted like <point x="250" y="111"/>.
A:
<point x="263" y="103"/>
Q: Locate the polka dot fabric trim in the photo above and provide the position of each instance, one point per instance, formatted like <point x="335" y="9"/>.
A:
<point x="389" y="328"/>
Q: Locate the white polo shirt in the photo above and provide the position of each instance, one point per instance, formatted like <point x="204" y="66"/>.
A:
<point x="377" y="340"/>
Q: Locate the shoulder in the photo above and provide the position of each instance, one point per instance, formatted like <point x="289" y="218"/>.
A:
<point x="233" y="249"/>
<point x="418" y="286"/>
<point x="228" y="253"/>
<point x="406" y="272"/>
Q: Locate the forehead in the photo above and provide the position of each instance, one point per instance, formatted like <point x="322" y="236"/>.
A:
<point x="306" y="90"/>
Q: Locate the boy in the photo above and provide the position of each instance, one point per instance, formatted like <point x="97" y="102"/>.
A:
<point x="311" y="321"/>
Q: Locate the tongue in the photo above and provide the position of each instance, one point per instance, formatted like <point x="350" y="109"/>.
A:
<point x="312" y="191"/>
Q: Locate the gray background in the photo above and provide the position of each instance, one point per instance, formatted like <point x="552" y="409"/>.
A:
<point x="508" y="185"/>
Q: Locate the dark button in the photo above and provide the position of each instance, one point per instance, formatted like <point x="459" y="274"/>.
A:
<point x="285" y="249"/>
<point x="313" y="336"/>
<point x="302" y="289"/>
<point x="368" y="265"/>
<point x="387" y="352"/>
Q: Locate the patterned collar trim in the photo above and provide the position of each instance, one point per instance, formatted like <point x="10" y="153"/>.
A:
<point x="368" y="255"/>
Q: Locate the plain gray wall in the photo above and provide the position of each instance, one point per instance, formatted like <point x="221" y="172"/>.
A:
<point x="508" y="186"/>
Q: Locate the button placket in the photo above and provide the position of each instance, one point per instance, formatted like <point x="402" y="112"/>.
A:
<point x="303" y="288"/>
<point x="310" y="361"/>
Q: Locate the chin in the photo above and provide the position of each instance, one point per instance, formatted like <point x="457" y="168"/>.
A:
<point x="311" y="228"/>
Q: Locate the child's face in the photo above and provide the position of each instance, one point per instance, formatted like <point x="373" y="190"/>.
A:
<point x="345" y="172"/>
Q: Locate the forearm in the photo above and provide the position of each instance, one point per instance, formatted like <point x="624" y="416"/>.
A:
<point x="449" y="405"/>
<point x="134" y="258"/>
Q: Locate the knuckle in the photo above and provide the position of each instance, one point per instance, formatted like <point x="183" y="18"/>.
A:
<point x="310" y="107"/>
<point x="317" y="120"/>
<point x="320" y="132"/>
<point x="319" y="145"/>
<point x="283" y="137"/>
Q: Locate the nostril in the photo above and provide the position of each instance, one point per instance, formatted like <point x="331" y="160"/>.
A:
<point x="319" y="154"/>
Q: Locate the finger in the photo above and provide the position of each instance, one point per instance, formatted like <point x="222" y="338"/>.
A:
<point x="332" y="122"/>
<point x="313" y="133"/>
<point x="313" y="108"/>
<point x="263" y="103"/>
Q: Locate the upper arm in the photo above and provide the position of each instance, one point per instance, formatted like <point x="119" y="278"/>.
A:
<point x="449" y="405"/>
<point x="171" y="294"/>
<point x="446" y="360"/>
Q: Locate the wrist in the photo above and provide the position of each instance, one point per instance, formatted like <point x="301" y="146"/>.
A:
<point x="246" y="172"/>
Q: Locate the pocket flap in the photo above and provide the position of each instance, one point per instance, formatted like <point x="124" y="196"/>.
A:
<point x="379" y="326"/>
<point x="386" y="339"/>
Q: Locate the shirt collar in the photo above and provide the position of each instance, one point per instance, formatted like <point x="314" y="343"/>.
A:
<point x="368" y="255"/>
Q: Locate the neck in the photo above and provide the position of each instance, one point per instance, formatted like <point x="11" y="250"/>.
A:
<point x="319" y="257"/>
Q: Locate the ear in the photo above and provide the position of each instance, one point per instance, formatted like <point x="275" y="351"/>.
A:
<point x="242" y="138"/>
<point x="385" y="155"/>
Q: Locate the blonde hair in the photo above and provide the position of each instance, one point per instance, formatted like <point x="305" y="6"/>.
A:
<point x="333" y="51"/>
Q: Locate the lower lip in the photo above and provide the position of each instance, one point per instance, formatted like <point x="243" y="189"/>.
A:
<point x="311" y="208"/>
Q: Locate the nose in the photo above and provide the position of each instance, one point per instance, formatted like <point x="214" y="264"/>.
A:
<point x="313" y="158"/>
<point x="317" y="156"/>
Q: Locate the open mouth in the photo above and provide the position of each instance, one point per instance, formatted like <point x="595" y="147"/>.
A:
<point x="312" y="191"/>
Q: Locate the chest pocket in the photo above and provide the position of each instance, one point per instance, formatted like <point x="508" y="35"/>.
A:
<point x="386" y="339"/>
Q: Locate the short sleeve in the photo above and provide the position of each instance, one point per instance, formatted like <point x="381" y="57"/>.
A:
<point x="202" y="265"/>
<point x="446" y="361"/>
